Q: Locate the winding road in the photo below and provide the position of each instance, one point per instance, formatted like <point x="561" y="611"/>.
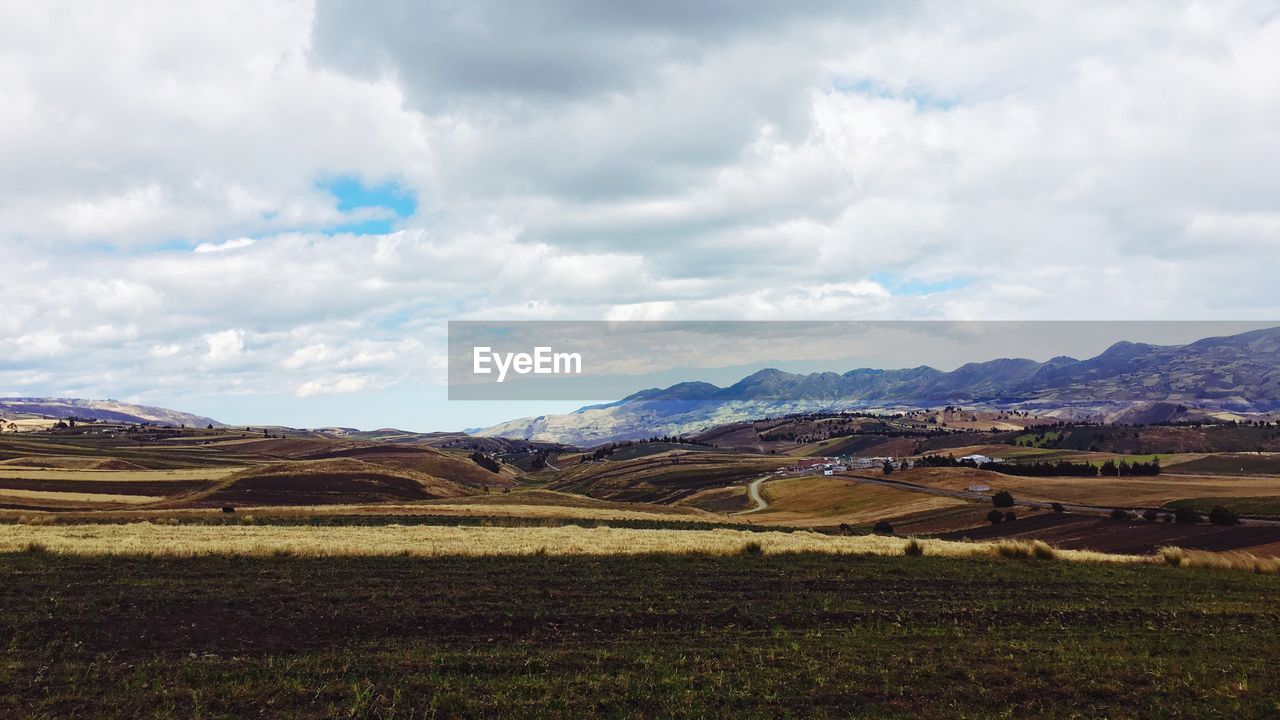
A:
<point x="753" y="492"/>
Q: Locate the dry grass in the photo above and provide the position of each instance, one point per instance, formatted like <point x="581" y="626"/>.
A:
<point x="822" y="500"/>
<point x="1230" y="560"/>
<point x="78" y="497"/>
<point x="189" y="540"/>
<point x="117" y="475"/>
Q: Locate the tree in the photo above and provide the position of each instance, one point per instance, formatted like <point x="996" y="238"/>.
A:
<point x="887" y="467"/>
<point x="995" y="516"/>
<point x="1223" y="516"/>
<point x="884" y="527"/>
<point x="1150" y="514"/>
<point x="1186" y="516"/>
<point x="1120" y="514"/>
<point x="1002" y="499"/>
<point x="1010" y="516"/>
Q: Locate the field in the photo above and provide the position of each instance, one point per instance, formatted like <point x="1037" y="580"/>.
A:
<point x="669" y="636"/>
<point x="221" y="573"/>
<point x="825" y="501"/>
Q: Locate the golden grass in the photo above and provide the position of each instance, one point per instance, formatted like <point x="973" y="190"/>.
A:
<point x="430" y="507"/>
<point x="1230" y="560"/>
<point x="117" y="475"/>
<point x="78" y="497"/>
<point x="155" y="539"/>
<point x="828" y="500"/>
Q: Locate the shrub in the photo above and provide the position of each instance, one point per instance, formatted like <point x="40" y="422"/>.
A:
<point x="1150" y="514"/>
<point x="1002" y="499"/>
<point x="486" y="462"/>
<point x="913" y="548"/>
<point x="752" y="547"/>
<point x="995" y="516"/>
<point x="1043" y="550"/>
<point x="1057" y="507"/>
<point x="1035" y="549"/>
<point x="1010" y="516"/>
<point x="1223" y="516"/>
<point x="1186" y="516"/>
<point x="884" y="527"/>
<point x="1120" y="514"/>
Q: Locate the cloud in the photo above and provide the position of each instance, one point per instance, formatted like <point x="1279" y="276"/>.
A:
<point x="225" y="346"/>
<point x="332" y="386"/>
<point x="285" y="195"/>
<point x="223" y="246"/>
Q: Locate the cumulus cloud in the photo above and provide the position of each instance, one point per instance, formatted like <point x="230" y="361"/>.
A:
<point x="167" y="218"/>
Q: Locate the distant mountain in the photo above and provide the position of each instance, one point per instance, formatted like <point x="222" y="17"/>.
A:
<point x="1237" y="373"/>
<point x="102" y="410"/>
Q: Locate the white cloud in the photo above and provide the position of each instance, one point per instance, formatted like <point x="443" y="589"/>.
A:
<point x="332" y="386"/>
<point x="225" y="346"/>
<point x="621" y="161"/>
<point x="233" y="244"/>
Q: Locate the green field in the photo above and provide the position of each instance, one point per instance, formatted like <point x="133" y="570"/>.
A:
<point x="1247" y="506"/>
<point x="647" y="636"/>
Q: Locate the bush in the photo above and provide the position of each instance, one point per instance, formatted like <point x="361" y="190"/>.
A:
<point x="752" y="548"/>
<point x="995" y="516"/>
<point x="913" y="548"/>
<point x="1022" y="549"/>
<point x="486" y="462"/>
<point x="1057" y="507"/>
<point x="884" y="527"/>
<point x="1186" y="516"/>
<point x="1150" y="514"/>
<point x="1174" y="556"/>
<point x="1120" y="514"/>
<point x="1223" y="516"/>
<point x="1010" y="516"/>
<point x="1002" y="499"/>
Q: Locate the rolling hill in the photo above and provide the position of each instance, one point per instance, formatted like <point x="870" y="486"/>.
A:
<point x="100" y="410"/>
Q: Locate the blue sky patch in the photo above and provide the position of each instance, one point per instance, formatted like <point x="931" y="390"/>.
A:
<point x="353" y="195"/>
<point x="905" y="286"/>
<point x="865" y="86"/>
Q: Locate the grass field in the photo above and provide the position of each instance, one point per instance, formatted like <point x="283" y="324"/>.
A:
<point x="652" y="636"/>
<point x="1267" y="507"/>
<point x="184" y="540"/>
<point x="823" y="501"/>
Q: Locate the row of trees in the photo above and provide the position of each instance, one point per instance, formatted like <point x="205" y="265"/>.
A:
<point x="1058" y="468"/>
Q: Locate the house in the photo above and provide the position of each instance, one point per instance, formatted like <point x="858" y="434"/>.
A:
<point x="978" y="459"/>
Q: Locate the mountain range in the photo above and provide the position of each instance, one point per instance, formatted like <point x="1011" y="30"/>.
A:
<point x="1236" y="373"/>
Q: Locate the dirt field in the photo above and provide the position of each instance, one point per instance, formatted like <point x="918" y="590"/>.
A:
<point x="1123" y="491"/>
<point x="1120" y="536"/>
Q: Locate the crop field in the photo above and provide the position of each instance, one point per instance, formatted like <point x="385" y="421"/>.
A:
<point x="1134" y="537"/>
<point x="184" y="540"/>
<point x="1123" y="491"/>
<point x="823" y="501"/>
<point x="663" y="478"/>
<point x="1267" y="507"/>
<point x="624" y="636"/>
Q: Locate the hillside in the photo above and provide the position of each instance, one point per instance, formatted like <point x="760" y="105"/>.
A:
<point x="1129" y="382"/>
<point x="99" y="410"/>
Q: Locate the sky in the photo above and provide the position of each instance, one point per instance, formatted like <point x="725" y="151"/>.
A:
<point x="266" y="212"/>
